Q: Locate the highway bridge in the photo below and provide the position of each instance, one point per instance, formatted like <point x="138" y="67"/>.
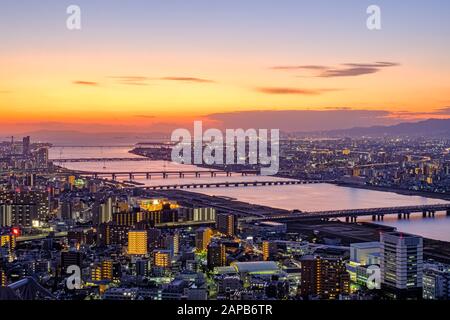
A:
<point x="351" y="215"/>
<point x="166" y="174"/>
<point x="100" y="159"/>
<point x="232" y="184"/>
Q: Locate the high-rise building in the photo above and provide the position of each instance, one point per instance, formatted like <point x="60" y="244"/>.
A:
<point x="126" y="218"/>
<point x="363" y="256"/>
<point x="142" y="267"/>
<point x="117" y="271"/>
<point x="69" y="258"/>
<point x="269" y="249"/>
<point x="401" y="264"/>
<point x="3" y="280"/>
<point x="66" y="210"/>
<point x="6" y="219"/>
<point x="24" y="214"/>
<point x="96" y="273"/>
<point x="161" y="258"/>
<point x="156" y="217"/>
<point x="436" y="282"/>
<point x="154" y="236"/>
<point x="42" y="158"/>
<point x="197" y="214"/>
<point x="71" y="180"/>
<point x="26" y="146"/>
<point x="137" y="242"/>
<point x="105" y="214"/>
<point x="30" y="180"/>
<point x="171" y="242"/>
<point x="216" y="256"/>
<point x="107" y="270"/>
<point x="26" y="206"/>
<point x="112" y="234"/>
<point x="325" y="277"/>
<point x="226" y="223"/>
<point x="8" y="242"/>
<point x="203" y="238"/>
<point x="308" y="276"/>
<point x="361" y="252"/>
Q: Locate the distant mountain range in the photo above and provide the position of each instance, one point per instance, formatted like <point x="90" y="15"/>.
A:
<point x="426" y="128"/>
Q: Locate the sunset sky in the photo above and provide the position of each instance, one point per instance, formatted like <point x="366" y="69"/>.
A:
<point x="153" y="64"/>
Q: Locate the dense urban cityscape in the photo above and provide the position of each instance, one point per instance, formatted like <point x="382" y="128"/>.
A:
<point x="165" y="242"/>
<point x="230" y="159"/>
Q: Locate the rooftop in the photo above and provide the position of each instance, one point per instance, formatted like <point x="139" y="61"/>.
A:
<point x="366" y="245"/>
<point x="256" y="267"/>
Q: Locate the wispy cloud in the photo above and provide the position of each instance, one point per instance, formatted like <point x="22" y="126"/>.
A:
<point x="188" y="79"/>
<point x="131" y="80"/>
<point x="343" y="70"/>
<point x="143" y="80"/>
<point x="356" y="69"/>
<point x="85" y="83"/>
<point x="297" y="91"/>
<point x="441" y="112"/>
<point x="306" y="67"/>
<point x="348" y="72"/>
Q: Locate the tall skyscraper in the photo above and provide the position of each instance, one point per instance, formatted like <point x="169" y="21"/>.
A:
<point x="137" y="242"/>
<point x="226" y="223"/>
<point x="26" y="146"/>
<point x="106" y="211"/>
<point x="42" y="158"/>
<point x="401" y="264"/>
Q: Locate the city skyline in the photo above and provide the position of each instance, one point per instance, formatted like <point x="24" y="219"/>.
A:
<point x="217" y="158"/>
<point x="152" y="66"/>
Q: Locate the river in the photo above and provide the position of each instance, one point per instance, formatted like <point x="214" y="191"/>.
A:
<point x="314" y="197"/>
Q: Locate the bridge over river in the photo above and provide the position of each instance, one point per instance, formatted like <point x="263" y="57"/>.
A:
<point x="100" y="159"/>
<point x="227" y="184"/>
<point x="114" y="175"/>
<point x="351" y="215"/>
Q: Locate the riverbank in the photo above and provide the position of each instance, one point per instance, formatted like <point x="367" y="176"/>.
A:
<point x="426" y="194"/>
